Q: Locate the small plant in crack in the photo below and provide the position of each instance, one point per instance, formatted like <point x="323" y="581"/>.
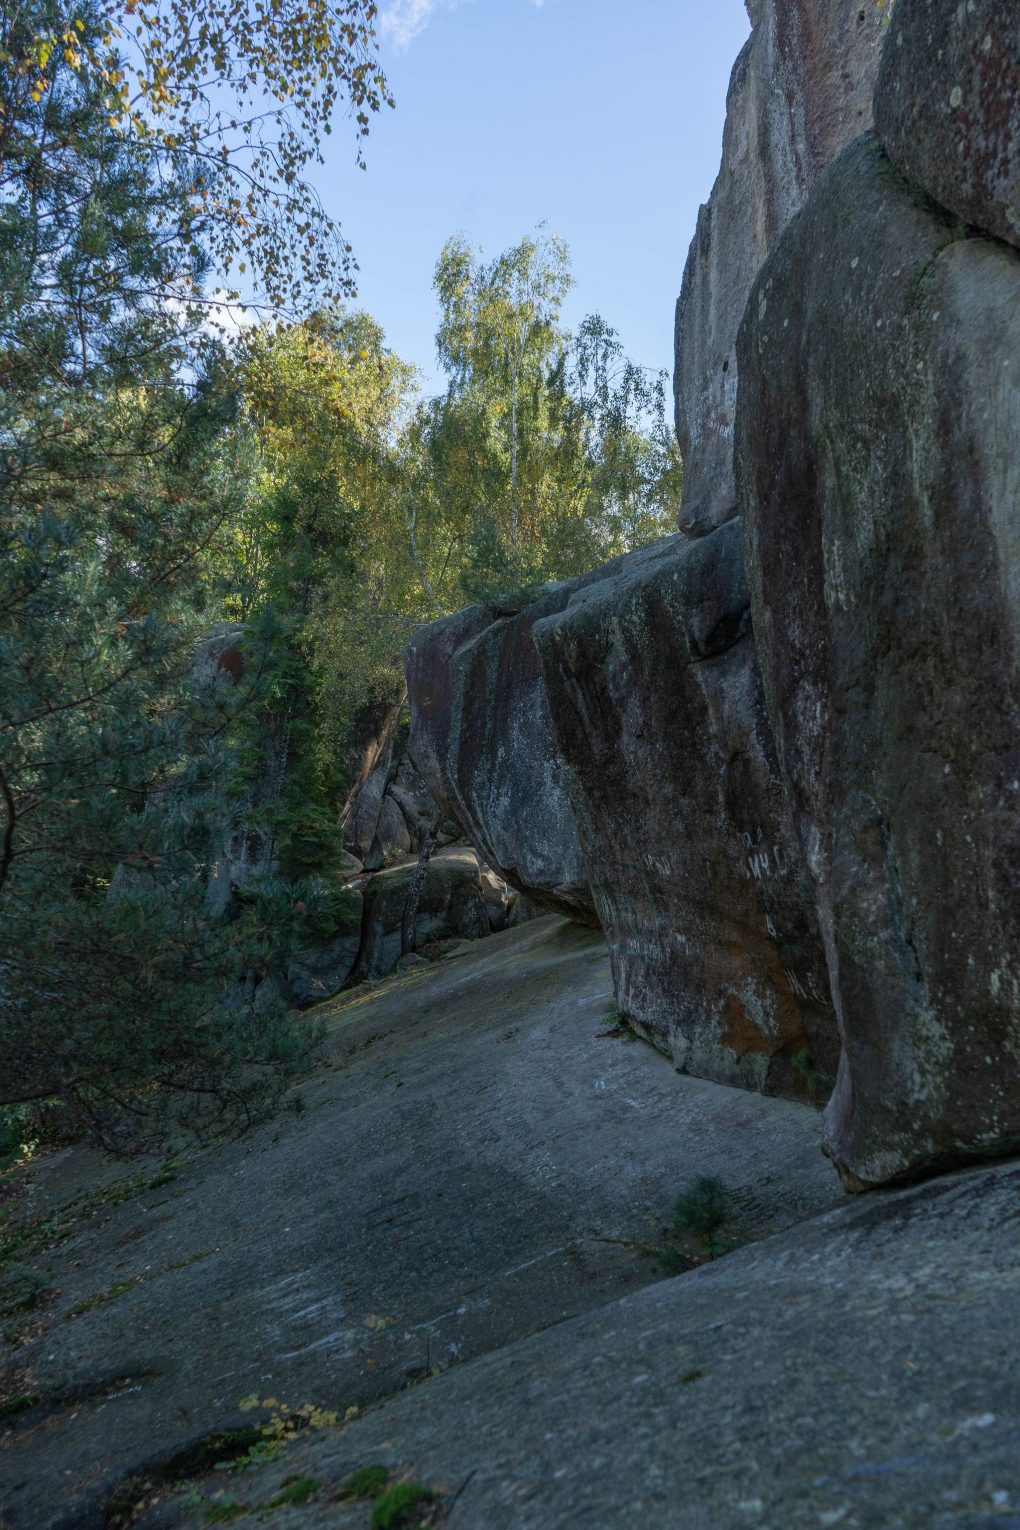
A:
<point x="695" y="1233"/>
<point x="615" y="1026"/>
<point x="405" y="1506"/>
<point x="820" y="1084"/>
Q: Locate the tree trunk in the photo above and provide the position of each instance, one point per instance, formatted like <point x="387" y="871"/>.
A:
<point x="513" y="460"/>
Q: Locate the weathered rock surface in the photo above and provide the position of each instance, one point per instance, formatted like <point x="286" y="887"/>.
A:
<point x="800" y="90"/>
<point x="452" y="903"/>
<point x="656" y="697"/>
<point x="363" y="819"/>
<point x="946" y="107"/>
<point x="408" y="790"/>
<point x="499" y="897"/>
<point x="463" y="1174"/>
<point x="393" y="811"/>
<point x="878" y="426"/>
<point x="855" y="1371"/>
<point x="317" y="971"/>
<point x="482" y="738"/>
<point x="391" y="837"/>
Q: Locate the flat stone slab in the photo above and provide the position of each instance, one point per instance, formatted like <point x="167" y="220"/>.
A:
<point x="475" y="1163"/>
<point x="856" y="1371"/>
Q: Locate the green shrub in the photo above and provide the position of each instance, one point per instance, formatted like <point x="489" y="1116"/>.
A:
<point x="368" y="1482"/>
<point x="702" y="1210"/>
<point x="402" y="1506"/>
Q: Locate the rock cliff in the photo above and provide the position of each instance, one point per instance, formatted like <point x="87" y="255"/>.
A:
<point x="780" y="750"/>
<point x="799" y="92"/>
<point x="878" y="427"/>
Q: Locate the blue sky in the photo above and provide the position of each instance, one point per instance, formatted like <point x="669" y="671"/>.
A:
<point x="602" y="116"/>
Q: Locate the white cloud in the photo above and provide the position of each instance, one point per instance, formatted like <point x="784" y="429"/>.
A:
<point x="402" y="20"/>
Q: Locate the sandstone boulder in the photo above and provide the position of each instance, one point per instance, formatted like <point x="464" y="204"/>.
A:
<point x="363" y="817"/>
<point x="452" y="903"/>
<point x="656" y="696"/>
<point x="946" y="107"/>
<point x="499" y="897"/>
<point x="391" y="836"/>
<point x="878" y="423"/>
<point x="410" y="793"/>
<point x="800" y="90"/>
<point x="482" y="738"/>
<point x="349" y="866"/>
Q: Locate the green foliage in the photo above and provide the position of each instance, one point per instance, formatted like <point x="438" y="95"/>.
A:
<point x="295" y="1492"/>
<point x="15" y="1132"/>
<point x="820" y="1084"/>
<point x="121" y="1005"/>
<point x="702" y="1211"/>
<point x="402" y="1506"/>
<point x="230" y="103"/>
<point x="100" y="1299"/>
<point x="550" y="452"/>
<point x="224" y="1511"/>
<point x="699" y="1216"/>
<point x="212" y="556"/>
<point x="313" y="573"/>
<point x="23" y="1403"/>
<point x="367" y="1482"/>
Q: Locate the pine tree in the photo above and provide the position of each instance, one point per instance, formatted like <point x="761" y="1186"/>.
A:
<point x="121" y="1002"/>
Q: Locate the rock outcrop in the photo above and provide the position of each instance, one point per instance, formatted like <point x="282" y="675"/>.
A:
<point x="657" y="701"/>
<point x="391" y="812"/>
<point x="878" y="427"/>
<point x="946" y="107"/>
<point x="651" y="694"/>
<point x="483" y="740"/>
<point x="781" y="751"/>
<point x="453" y="903"/>
<point x="847" y="1373"/>
<point x="800" y="91"/>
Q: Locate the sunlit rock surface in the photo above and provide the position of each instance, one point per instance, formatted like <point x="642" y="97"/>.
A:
<point x="483" y="740"/>
<point x="800" y="91"/>
<point x="946" y="107"/>
<point x="878" y="428"/>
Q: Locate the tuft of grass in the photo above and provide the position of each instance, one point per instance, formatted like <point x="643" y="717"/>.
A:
<point x="403" y="1506"/>
<point x="616" y="1025"/>
<point x="18" y="1405"/>
<point x="295" y="1491"/>
<point x="101" y="1298"/>
<point x="223" y="1511"/>
<point x="166" y="1176"/>
<point x="368" y="1482"/>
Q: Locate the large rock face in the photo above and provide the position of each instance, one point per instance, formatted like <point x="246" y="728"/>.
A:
<point x="878" y="433"/>
<point x="800" y="91"/>
<point x="946" y="106"/>
<point x="656" y="696"/>
<point x="482" y="737"/>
